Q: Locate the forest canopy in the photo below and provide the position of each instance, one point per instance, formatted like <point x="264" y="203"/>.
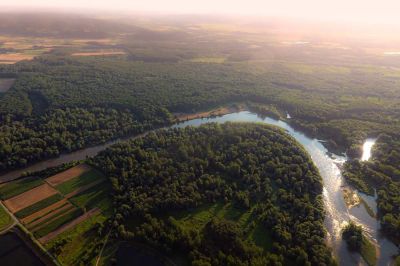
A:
<point x="255" y="168"/>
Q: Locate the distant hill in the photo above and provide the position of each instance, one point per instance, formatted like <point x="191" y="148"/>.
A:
<point x="60" y="26"/>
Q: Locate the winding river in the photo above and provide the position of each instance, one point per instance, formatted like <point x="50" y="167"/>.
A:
<point x="337" y="212"/>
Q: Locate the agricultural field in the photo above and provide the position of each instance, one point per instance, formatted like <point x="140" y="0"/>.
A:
<point x="17" y="187"/>
<point x="81" y="181"/>
<point x="29" y="197"/>
<point x="48" y="207"/>
<point x="15" y="252"/>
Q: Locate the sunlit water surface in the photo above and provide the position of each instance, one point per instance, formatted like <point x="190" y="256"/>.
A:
<point x="337" y="213"/>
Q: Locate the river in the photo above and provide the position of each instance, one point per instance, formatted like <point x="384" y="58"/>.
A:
<point x="328" y="164"/>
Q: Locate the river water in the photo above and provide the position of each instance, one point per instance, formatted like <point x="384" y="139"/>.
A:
<point x="328" y="164"/>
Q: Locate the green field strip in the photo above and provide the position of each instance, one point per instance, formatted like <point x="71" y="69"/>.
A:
<point x="51" y="216"/>
<point x="38" y="206"/>
<point x="50" y="211"/>
<point x="56" y="223"/>
<point x="20" y="186"/>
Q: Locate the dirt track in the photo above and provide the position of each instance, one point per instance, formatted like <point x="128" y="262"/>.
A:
<point x="68" y="174"/>
<point x="29" y="197"/>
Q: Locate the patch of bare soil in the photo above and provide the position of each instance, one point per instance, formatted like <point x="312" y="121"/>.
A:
<point x="29" y="197"/>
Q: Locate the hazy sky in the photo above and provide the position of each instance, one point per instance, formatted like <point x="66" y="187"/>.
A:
<point x="386" y="11"/>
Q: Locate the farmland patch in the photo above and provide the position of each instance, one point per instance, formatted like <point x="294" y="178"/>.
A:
<point x="19" y="186"/>
<point x="80" y="181"/>
<point x="30" y="197"/>
<point x="68" y="174"/>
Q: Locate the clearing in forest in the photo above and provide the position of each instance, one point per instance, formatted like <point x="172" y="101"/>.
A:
<point x="30" y="197"/>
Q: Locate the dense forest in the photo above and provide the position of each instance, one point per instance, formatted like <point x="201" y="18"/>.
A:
<point x="59" y="103"/>
<point x="254" y="167"/>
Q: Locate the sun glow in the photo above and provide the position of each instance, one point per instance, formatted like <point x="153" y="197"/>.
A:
<point x="371" y="11"/>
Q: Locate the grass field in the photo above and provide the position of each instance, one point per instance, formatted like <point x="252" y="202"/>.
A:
<point x="79" y="181"/>
<point x="73" y="244"/>
<point x="17" y="187"/>
<point x="5" y="219"/>
<point x="38" y="206"/>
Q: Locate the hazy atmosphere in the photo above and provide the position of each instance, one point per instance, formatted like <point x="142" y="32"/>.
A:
<point x="199" y="133"/>
<point x="369" y="11"/>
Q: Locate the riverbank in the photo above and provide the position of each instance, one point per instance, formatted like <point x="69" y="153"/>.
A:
<point x="328" y="165"/>
<point x="220" y="111"/>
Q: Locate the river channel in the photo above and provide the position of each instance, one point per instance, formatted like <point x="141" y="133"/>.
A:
<point x="328" y="164"/>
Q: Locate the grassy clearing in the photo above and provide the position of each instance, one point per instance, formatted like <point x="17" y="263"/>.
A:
<point x="97" y="196"/>
<point x="5" y="219"/>
<point x="368" y="252"/>
<point x="261" y="237"/>
<point x="38" y="206"/>
<point x="17" y="187"/>
<point x="70" y="246"/>
<point x="80" y="181"/>
<point x="199" y="217"/>
<point x="56" y="223"/>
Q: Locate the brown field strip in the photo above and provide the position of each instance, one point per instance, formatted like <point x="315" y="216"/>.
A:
<point x="68" y="174"/>
<point x="42" y="212"/>
<point x="51" y="216"/>
<point x="40" y="226"/>
<point x="29" y="197"/>
<point x="14" y="58"/>
<point x="69" y="225"/>
<point x="81" y="189"/>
